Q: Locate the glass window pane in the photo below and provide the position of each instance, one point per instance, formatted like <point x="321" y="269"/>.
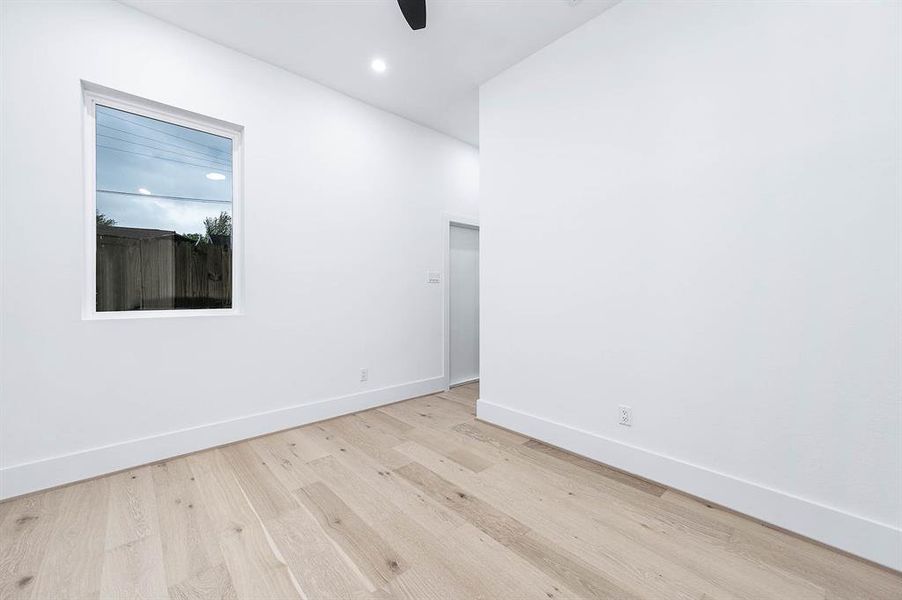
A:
<point x="164" y="215"/>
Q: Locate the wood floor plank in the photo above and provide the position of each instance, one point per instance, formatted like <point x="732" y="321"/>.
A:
<point x="225" y="502"/>
<point x="724" y="569"/>
<point x="254" y="564"/>
<point x="418" y="584"/>
<point x="489" y="452"/>
<point x="132" y="513"/>
<point x="266" y="494"/>
<point x="597" y="468"/>
<point x="387" y="422"/>
<point x="338" y="437"/>
<point x="72" y="566"/>
<point x="468" y="391"/>
<point x="188" y="538"/>
<point x="5" y="508"/>
<point x="381" y="432"/>
<point x="630" y="500"/>
<point x="213" y="583"/>
<point x="302" y="443"/>
<point x="25" y="537"/>
<point x="320" y="568"/>
<point x="280" y="454"/>
<point x="469" y="406"/>
<point x="408" y="414"/>
<point x="510" y="574"/>
<point x="386" y="492"/>
<point x="430" y="410"/>
<point x="134" y="570"/>
<point x="490" y="434"/>
<point x="401" y="527"/>
<point x="372" y="555"/>
<point x="449" y="411"/>
<point x="569" y="569"/>
<point x="447" y="446"/>
<point x="484" y="516"/>
<point x="255" y="569"/>
<point x="632" y="567"/>
<point x="844" y="577"/>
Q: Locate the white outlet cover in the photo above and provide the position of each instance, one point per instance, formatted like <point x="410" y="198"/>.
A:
<point x="626" y="415"/>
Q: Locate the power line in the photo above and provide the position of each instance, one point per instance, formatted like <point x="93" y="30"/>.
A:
<point x="212" y="160"/>
<point x="190" y="141"/>
<point x="215" y="167"/>
<point x="145" y="137"/>
<point x="179" y="198"/>
<point x="160" y="131"/>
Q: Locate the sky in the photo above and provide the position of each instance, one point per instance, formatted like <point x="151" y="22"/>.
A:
<point x="153" y="175"/>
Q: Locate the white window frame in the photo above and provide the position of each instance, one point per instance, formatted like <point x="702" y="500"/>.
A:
<point x="95" y="94"/>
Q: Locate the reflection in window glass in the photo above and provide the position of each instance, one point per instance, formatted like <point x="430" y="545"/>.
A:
<point x="164" y="215"/>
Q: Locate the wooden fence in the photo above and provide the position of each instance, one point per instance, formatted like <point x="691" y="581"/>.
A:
<point x="152" y="269"/>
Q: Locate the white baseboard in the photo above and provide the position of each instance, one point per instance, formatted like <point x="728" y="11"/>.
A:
<point x="29" y="477"/>
<point x="857" y="535"/>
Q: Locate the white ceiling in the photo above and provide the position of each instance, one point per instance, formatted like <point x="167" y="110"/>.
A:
<point x="433" y="74"/>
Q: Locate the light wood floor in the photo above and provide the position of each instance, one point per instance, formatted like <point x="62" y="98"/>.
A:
<point x="414" y="500"/>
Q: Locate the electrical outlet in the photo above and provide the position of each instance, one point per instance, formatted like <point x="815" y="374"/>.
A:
<point x="626" y="415"/>
<point x="364" y="374"/>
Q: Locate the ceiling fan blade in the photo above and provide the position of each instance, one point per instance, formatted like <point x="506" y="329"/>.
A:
<point x="415" y="12"/>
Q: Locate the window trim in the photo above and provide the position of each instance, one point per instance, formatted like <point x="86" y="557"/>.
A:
<point x="94" y="94"/>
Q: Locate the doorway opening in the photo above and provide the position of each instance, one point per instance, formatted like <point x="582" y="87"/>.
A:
<point x="462" y="296"/>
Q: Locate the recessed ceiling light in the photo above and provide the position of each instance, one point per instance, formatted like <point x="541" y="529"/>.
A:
<point x="378" y="65"/>
<point x="215" y="176"/>
<point x="144" y="191"/>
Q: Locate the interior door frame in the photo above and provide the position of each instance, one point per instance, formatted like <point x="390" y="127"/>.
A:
<point x="449" y="220"/>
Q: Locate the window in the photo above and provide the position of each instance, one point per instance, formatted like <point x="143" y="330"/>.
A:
<point x="163" y="223"/>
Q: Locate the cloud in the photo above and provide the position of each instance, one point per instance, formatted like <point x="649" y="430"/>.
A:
<point x="135" y="152"/>
<point x="149" y="212"/>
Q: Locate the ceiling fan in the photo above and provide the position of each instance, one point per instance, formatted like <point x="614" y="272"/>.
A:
<point x="415" y="13"/>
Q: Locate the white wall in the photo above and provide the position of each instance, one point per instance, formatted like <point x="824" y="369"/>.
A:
<point x="693" y="208"/>
<point x="463" y="279"/>
<point x="343" y="207"/>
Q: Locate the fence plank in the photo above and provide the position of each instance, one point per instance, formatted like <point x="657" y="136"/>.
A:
<point x="158" y="273"/>
<point x="118" y="274"/>
<point x="141" y="269"/>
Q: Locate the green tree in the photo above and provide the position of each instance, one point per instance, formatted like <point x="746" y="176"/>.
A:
<point x="221" y="225"/>
<point x="102" y="219"/>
